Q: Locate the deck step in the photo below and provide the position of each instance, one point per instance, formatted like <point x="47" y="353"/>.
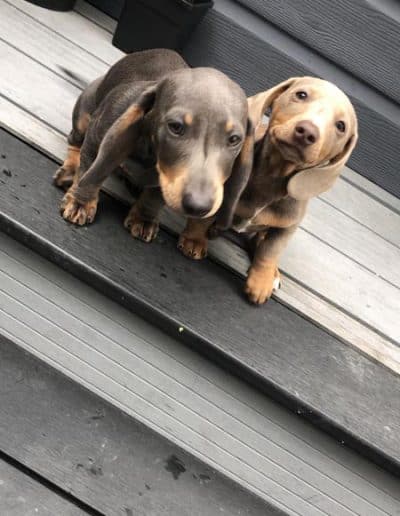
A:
<point x="88" y="451"/>
<point x="285" y="356"/>
<point x="100" y="456"/>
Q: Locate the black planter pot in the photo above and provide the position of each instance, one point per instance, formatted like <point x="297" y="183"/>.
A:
<point x="158" y="23"/>
<point x="55" y="5"/>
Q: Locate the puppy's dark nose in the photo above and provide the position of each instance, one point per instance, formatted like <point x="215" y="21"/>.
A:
<point x="306" y="133"/>
<point x="196" y="205"/>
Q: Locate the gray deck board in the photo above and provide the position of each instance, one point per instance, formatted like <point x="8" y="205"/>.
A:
<point x="171" y="389"/>
<point x="101" y="456"/>
<point x="20" y="495"/>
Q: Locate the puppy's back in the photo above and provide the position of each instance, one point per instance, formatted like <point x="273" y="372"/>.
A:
<point x="148" y="65"/>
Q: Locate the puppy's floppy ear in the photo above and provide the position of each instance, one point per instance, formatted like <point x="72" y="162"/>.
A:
<point x="116" y="144"/>
<point x="259" y="103"/>
<point x="237" y="181"/>
<point x="124" y="129"/>
<point x="314" y="181"/>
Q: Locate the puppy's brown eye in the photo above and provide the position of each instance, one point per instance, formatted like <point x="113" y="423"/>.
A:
<point x="341" y="126"/>
<point x="301" y="95"/>
<point x="176" y="128"/>
<point x="234" y="139"/>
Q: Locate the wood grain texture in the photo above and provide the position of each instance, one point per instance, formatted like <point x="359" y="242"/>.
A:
<point x="231" y="35"/>
<point x="100" y="455"/>
<point x="74" y="27"/>
<point x="22" y="495"/>
<point x="281" y="352"/>
<point x="355" y="34"/>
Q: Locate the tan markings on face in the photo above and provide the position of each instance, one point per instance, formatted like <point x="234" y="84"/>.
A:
<point x="229" y="126"/>
<point x="188" y="119"/>
<point x="83" y="122"/>
<point x="172" y="183"/>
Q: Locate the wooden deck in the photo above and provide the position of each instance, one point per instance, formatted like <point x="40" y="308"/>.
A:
<point x="337" y="364"/>
<point x="341" y="269"/>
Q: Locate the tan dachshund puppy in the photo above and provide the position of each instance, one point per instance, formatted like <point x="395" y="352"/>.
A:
<point x="311" y="134"/>
<point x="186" y="130"/>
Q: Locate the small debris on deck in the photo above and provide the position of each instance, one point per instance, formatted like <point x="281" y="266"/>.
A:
<point x="175" y="466"/>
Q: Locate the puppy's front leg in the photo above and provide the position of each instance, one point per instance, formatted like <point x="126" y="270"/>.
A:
<point x="99" y="159"/>
<point x="143" y="218"/>
<point x="193" y="241"/>
<point x="264" y="268"/>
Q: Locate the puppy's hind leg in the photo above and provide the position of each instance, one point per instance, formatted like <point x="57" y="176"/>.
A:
<point x="64" y="176"/>
<point x="84" y="107"/>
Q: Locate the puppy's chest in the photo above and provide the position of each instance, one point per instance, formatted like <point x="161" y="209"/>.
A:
<point x="140" y="168"/>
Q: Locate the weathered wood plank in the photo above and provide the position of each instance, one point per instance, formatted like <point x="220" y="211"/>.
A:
<point x="32" y="37"/>
<point x="371" y="207"/>
<point x="73" y="27"/>
<point x="46" y="95"/>
<point x="341" y="30"/>
<point x="100" y="455"/>
<point x="366" y="247"/>
<point x="372" y="189"/>
<point x="134" y="363"/>
<point x="22" y="495"/>
<point x="266" y="424"/>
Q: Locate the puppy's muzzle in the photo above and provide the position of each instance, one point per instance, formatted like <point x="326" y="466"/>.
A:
<point x="305" y="133"/>
<point x="197" y="204"/>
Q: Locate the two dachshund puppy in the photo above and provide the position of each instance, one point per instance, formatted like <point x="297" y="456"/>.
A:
<point x="191" y="140"/>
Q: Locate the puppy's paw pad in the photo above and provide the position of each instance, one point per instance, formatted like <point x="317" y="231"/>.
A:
<point x="76" y="212"/>
<point x="141" y="229"/>
<point x="196" y="249"/>
<point x="259" y="287"/>
<point x="63" y="178"/>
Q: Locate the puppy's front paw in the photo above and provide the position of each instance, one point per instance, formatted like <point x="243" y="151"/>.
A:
<point x="64" y="177"/>
<point x="195" y="248"/>
<point x="261" y="283"/>
<point x="145" y="230"/>
<point x="77" y="212"/>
